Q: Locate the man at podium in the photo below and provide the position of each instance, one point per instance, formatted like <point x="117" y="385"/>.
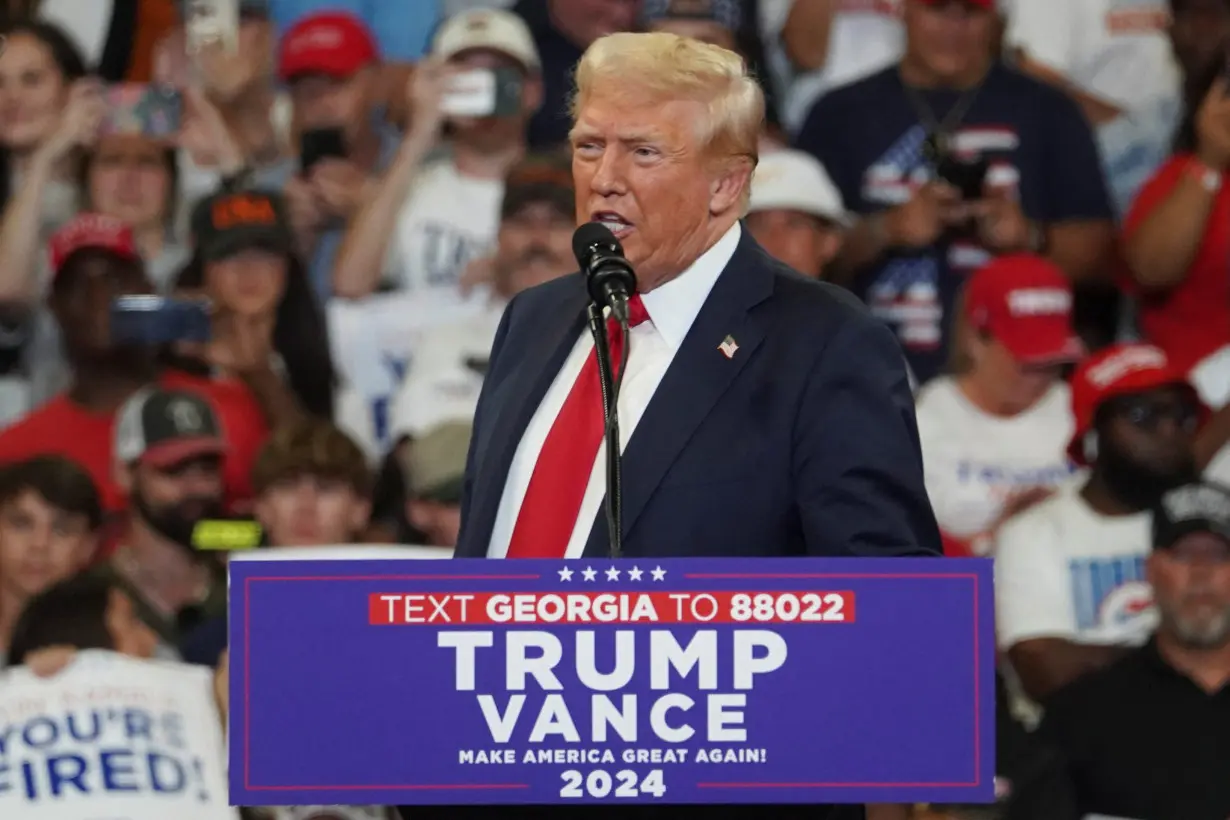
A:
<point x="761" y="413"/>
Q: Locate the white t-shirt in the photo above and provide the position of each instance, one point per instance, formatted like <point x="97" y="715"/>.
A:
<point x="1064" y="571"/>
<point x="1115" y="50"/>
<point x="974" y="461"/>
<point x="86" y="22"/>
<point x="447" y="221"/>
<point x="446" y="374"/>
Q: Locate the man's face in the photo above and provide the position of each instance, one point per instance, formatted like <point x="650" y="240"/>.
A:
<point x="1199" y="32"/>
<point x="82" y="301"/>
<point x="311" y="511"/>
<point x="707" y="31"/>
<point x="1013" y="386"/>
<point x="535" y="246"/>
<point x="173" y="499"/>
<point x="950" y="38"/>
<point x="439" y="522"/>
<point x="804" y="242"/>
<point x="40" y="545"/>
<point x="322" y="101"/>
<point x="1191" y="585"/>
<point x="639" y="167"/>
<point x="591" y="19"/>
<point x="1153" y="430"/>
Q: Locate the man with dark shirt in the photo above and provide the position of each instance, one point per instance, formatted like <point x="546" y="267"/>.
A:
<point x="951" y="157"/>
<point x="1149" y="736"/>
<point x="562" y="30"/>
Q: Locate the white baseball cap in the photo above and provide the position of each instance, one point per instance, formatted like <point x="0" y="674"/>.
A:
<point x="792" y="180"/>
<point x="492" y="29"/>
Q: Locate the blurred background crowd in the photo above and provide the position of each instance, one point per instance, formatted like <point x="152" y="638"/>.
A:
<point x="253" y="255"/>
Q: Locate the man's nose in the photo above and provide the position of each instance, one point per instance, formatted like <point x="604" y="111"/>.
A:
<point x="608" y="178"/>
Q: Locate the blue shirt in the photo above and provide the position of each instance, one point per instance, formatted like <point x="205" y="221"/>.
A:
<point x="869" y="138"/>
<point x="403" y="28"/>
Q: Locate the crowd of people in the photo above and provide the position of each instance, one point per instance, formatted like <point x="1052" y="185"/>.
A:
<point x="255" y="275"/>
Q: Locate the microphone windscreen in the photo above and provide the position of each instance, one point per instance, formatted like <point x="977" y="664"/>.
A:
<point x="589" y="235"/>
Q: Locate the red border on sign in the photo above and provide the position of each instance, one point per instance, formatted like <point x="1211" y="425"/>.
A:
<point x="977" y="781"/>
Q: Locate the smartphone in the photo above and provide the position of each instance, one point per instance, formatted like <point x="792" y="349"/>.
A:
<point x="210" y="23"/>
<point x="484" y="92"/>
<point x="316" y="144"/>
<point x="155" y="320"/>
<point x="968" y="176"/>
<point x="154" y="111"/>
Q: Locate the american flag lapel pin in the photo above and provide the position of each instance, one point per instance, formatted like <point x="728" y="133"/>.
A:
<point x="728" y="347"/>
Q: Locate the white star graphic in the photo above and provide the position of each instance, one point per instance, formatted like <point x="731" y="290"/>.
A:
<point x="658" y="573"/>
<point x="612" y="574"/>
<point x="565" y="574"/>
<point x="589" y="573"/>
<point x="635" y="574"/>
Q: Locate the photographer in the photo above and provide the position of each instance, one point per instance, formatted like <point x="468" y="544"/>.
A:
<point x="427" y="220"/>
<point x="952" y="158"/>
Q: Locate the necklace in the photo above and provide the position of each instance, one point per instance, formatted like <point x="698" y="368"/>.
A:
<point x="938" y="143"/>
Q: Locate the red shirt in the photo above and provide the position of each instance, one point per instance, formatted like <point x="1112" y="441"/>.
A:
<point x="1191" y="320"/>
<point x="61" y="427"/>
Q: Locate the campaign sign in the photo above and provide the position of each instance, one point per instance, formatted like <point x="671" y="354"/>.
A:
<point x="633" y="681"/>
<point x="111" y="737"/>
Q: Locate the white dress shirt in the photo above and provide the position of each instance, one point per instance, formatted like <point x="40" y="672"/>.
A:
<point x="672" y="309"/>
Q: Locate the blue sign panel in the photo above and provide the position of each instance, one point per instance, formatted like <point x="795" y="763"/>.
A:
<point x="632" y="681"/>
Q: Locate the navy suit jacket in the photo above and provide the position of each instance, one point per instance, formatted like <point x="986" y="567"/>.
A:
<point x="802" y="443"/>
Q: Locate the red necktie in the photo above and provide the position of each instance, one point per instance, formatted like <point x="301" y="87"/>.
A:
<point x="557" y="485"/>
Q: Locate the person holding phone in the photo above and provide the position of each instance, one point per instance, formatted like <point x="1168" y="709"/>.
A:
<point x="950" y="158"/>
<point x="95" y="262"/>
<point x="331" y="63"/>
<point x="1177" y="240"/>
<point x="268" y="332"/>
<point x="49" y="111"/>
<point x="426" y="221"/>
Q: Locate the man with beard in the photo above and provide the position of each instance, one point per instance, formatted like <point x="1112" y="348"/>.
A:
<point x="534" y="246"/>
<point x="1150" y="735"/>
<point x="1070" y="587"/>
<point x="169" y="449"/>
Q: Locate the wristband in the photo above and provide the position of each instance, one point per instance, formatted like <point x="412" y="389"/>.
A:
<point x="1210" y="179"/>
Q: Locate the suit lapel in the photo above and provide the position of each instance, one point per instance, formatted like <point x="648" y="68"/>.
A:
<point x="697" y="378"/>
<point x="526" y="384"/>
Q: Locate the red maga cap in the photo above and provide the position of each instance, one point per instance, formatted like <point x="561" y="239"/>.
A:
<point x="1025" y="302"/>
<point x="90" y="230"/>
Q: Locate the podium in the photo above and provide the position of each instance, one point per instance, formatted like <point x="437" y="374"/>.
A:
<point x="458" y="682"/>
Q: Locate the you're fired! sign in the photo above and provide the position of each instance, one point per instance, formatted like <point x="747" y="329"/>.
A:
<point x="674" y="681"/>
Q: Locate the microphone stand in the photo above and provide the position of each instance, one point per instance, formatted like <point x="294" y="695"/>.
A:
<point x="610" y="412"/>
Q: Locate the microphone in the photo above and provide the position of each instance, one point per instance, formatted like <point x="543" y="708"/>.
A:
<point x="608" y="275"/>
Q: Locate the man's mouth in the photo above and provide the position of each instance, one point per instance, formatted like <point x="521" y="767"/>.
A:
<point x="615" y="222"/>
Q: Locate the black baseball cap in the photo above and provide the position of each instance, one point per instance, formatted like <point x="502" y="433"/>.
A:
<point x="227" y="223"/>
<point x="167" y="427"/>
<point x="1192" y="508"/>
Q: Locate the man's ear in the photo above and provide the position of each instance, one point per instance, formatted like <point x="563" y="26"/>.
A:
<point x="729" y="188"/>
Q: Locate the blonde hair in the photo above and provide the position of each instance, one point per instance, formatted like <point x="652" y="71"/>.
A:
<point x="664" y="66"/>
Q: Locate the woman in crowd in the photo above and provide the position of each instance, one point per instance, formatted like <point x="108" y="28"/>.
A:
<point x="267" y="325"/>
<point x="1177" y="240"/>
<point x="994" y="434"/>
